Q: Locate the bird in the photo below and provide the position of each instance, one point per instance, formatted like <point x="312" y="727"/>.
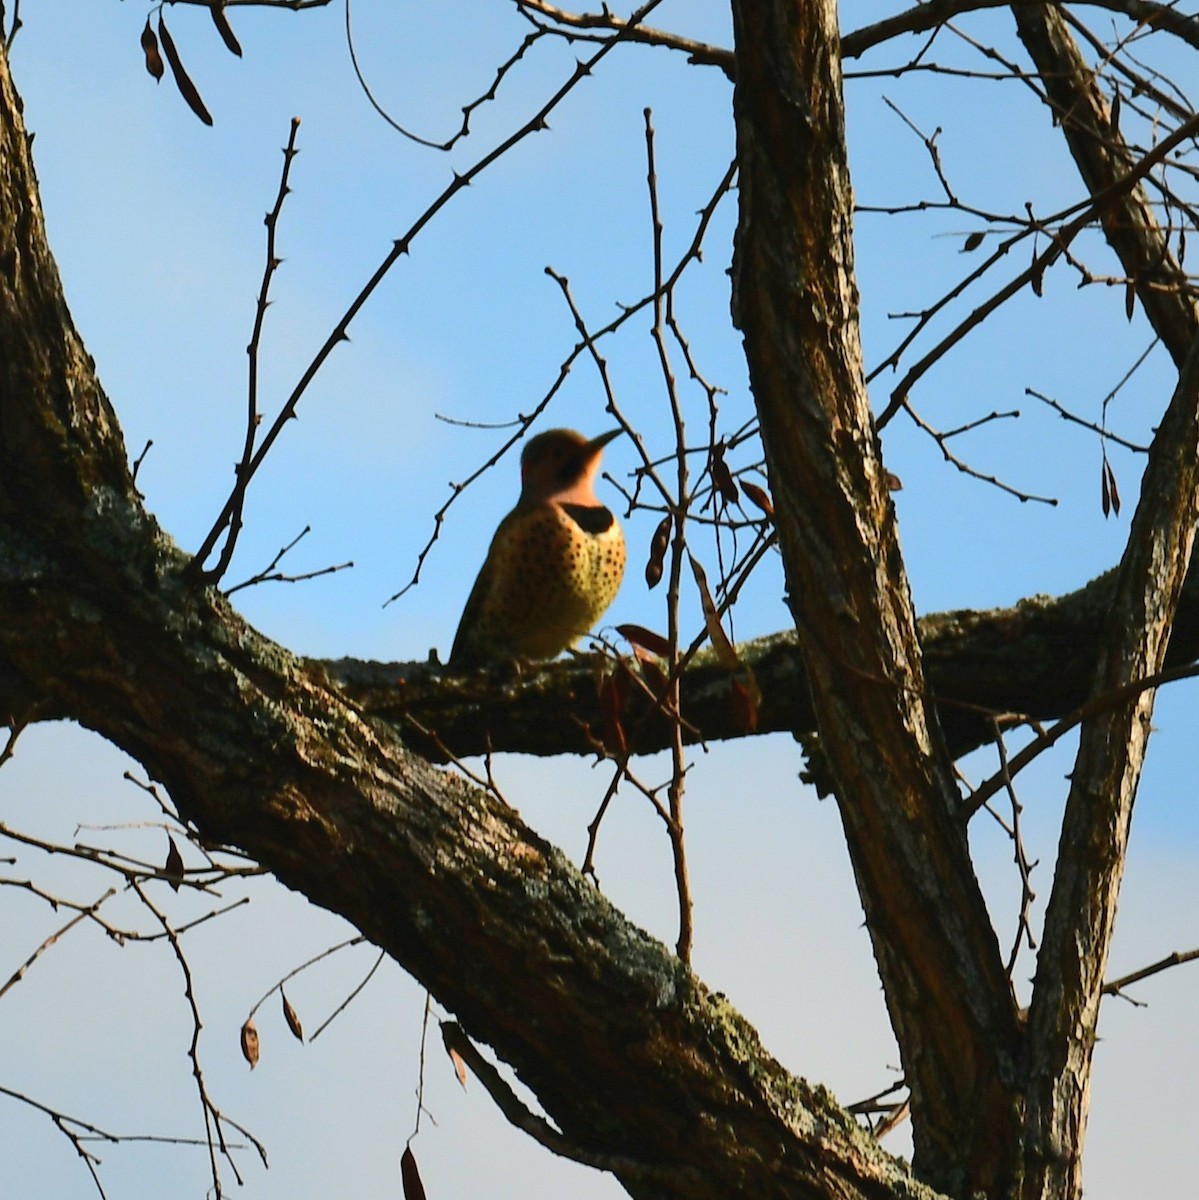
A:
<point x="554" y="564"/>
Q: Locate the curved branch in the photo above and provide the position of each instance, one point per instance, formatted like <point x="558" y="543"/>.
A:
<point x="926" y="16"/>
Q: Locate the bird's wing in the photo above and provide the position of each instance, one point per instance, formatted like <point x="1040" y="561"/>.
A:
<point x="465" y="651"/>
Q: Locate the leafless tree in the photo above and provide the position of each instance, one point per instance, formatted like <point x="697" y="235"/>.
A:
<point x="299" y="768"/>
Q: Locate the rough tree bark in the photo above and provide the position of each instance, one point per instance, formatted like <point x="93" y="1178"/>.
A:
<point x="795" y="299"/>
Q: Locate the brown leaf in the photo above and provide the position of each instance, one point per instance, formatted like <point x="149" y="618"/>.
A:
<point x="224" y="28"/>
<point x="173" y="869"/>
<point x="657" y="553"/>
<point x="973" y="241"/>
<point x="1116" y="111"/>
<point x="289" y="1015"/>
<point x="249" y="1042"/>
<point x="1130" y="298"/>
<point x="150" y="50"/>
<point x="1111" y="490"/>
<point x="894" y="483"/>
<point x="759" y="496"/>
<point x="651" y="671"/>
<point x="640" y="636"/>
<point x="459" y="1066"/>
<point x="1037" y="280"/>
<point x="1105" y="499"/>
<point x="410" y="1176"/>
<point x="613" y="689"/>
<point x="722" y="477"/>
<point x="747" y="699"/>
<point x="725" y="654"/>
<point x="183" y="82"/>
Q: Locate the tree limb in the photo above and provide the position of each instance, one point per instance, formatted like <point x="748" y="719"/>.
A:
<point x="795" y="300"/>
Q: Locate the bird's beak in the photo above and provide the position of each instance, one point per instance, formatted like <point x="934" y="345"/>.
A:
<point x="598" y="443"/>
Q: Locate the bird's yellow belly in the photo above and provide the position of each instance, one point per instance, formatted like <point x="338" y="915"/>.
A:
<point x="557" y="583"/>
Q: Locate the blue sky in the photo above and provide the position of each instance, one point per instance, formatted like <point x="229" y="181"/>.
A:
<point x="157" y="224"/>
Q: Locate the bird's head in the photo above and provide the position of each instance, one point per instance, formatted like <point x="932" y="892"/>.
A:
<point x="561" y="464"/>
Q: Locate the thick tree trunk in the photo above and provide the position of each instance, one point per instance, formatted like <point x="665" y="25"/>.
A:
<point x="796" y="301"/>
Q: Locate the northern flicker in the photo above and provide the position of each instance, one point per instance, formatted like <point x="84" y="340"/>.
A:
<point x="555" y="562"/>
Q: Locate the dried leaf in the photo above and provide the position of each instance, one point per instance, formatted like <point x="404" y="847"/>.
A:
<point x="894" y="483"/>
<point x="722" y="477"/>
<point x="640" y="636"/>
<point x="249" y="1042"/>
<point x="1111" y="490"/>
<point x="1037" y="280"/>
<point x="224" y="28"/>
<point x="1130" y="298"/>
<point x="183" y="82"/>
<point x="747" y="699"/>
<point x="289" y="1015"/>
<point x="657" y="553"/>
<point x="725" y="654"/>
<point x="1116" y="112"/>
<point x="613" y="690"/>
<point x="759" y="496"/>
<point x="459" y="1066"/>
<point x="973" y="241"/>
<point x="173" y="869"/>
<point x="651" y="671"/>
<point x="1105" y="499"/>
<point x="410" y="1176"/>
<point x="150" y="50"/>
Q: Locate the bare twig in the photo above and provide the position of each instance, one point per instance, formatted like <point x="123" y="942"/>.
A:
<point x="1042" y="742"/>
<point x="214" y="1119"/>
<point x="278" y="986"/>
<point x="78" y="1131"/>
<point x="269" y="575"/>
<point x="593" y="26"/>
<point x="82" y="915"/>
<point x="235" y="505"/>
<point x="467" y="109"/>
<point x="355" y="992"/>
<point x="1115" y="987"/>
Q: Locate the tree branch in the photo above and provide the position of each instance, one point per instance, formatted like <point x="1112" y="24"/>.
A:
<point x="795" y="299"/>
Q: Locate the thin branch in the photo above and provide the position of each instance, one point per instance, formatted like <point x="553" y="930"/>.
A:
<point x="349" y="999"/>
<point x="243" y="472"/>
<point x="1061" y="239"/>
<point x="326" y="953"/>
<point x="82" y="915"/>
<point x="269" y="575"/>
<point x="214" y="1119"/>
<point x="78" y="1131"/>
<point x="467" y="109"/>
<point x="678" y="765"/>
<point x="585" y="26"/>
<point x="1115" y="987"/>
